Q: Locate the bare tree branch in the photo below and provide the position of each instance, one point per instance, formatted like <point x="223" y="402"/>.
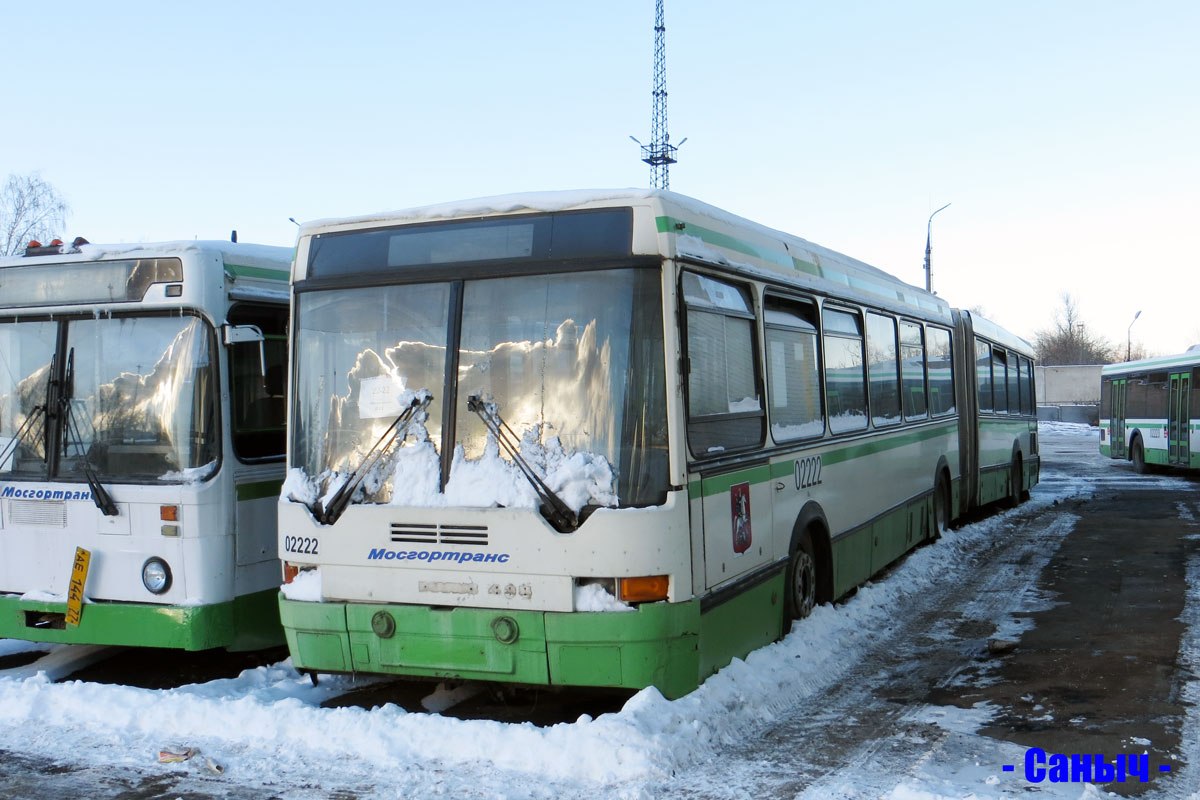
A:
<point x="30" y="208"/>
<point x="1070" y="342"/>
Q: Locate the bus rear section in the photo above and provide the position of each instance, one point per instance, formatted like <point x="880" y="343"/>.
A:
<point x="1000" y="456"/>
<point x="140" y="446"/>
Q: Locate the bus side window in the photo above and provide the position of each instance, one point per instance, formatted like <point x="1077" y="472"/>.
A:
<point x="1014" y="384"/>
<point x="883" y="370"/>
<point x="845" y="376"/>
<point x="983" y="373"/>
<point x="1194" y="412"/>
<point x="999" y="380"/>
<point x="912" y="353"/>
<point x="793" y="371"/>
<point x="1154" y="397"/>
<point x="1030" y="387"/>
<point x="725" y="409"/>
<point x="941" y="372"/>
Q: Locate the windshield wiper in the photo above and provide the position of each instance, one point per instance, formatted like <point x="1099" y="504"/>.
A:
<point x="394" y="433"/>
<point x="38" y="412"/>
<point x="553" y="507"/>
<point x="100" y="495"/>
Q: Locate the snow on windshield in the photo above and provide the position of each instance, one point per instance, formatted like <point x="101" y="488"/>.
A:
<point x="578" y="478"/>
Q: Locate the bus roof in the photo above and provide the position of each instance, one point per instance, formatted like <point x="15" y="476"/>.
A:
<point x="990" y="330"/>
<point x="254" y="255"/>
<point x="1188" y="359"/>
<point x="80" y="277"/>
<point x="692" y="229"/>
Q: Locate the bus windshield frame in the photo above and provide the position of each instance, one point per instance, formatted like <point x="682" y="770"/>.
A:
<point x="131" y="396"/>
<point x="571" y="355"/>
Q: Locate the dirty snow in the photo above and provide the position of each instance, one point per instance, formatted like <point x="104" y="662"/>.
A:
<point x="265" y="728"/>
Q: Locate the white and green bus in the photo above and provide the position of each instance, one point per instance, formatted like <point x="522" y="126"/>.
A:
<point x="614" y="439"/>
<point x="142" y="413"/>
<point x="1148" y="412"/>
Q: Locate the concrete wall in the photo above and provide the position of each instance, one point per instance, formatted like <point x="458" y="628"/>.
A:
<point x="1086" y="414"/>
<point x="1068" y="385"/>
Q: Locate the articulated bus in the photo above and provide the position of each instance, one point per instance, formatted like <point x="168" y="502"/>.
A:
<point x="614" y="439"/>
<point x="142" y="434"/>
<point x="1148" y="412"/>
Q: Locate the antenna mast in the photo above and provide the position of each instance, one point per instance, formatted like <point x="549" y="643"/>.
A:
<point x="660" y="153"/>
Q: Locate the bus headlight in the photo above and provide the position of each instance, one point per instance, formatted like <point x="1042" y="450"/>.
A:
<point x="156" y="575"/>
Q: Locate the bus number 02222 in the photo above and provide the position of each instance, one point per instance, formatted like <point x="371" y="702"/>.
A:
<point x="808" y="472"/>
<point x="300" y="544"/>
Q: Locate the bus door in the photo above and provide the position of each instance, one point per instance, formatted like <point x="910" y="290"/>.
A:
<point x="1178" y="436"/>
<point x="1116" y="425"/>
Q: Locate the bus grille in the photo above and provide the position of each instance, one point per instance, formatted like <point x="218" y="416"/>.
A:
<point x="35" y="512"/>
<point x="440" y="534"/>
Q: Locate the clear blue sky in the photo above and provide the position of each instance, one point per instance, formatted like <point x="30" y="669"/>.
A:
<point x="1065" y="134"/>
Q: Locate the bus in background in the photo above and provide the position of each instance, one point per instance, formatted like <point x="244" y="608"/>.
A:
<point x="614" y="438"/>
<point x="142" y="419"/>
<point x="1148" y="411"/>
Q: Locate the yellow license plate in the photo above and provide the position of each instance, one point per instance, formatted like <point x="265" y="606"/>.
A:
<point x="79" y="571"/>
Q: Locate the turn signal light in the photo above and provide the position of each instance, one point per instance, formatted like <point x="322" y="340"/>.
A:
<point x="290" y="571"/>
<point x="168" y="513"/>
<point x="646" y="589"/>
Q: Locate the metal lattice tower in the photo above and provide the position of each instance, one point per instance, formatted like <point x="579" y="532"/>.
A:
<point x="660" y="153"/>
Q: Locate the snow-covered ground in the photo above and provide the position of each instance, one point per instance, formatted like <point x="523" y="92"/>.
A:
<point x="265" y="730"/>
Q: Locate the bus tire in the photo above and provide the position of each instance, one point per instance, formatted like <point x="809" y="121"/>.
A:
<point x="941" y="509"/>
<point x="1015" y="480"/>
<point x="1137" y="454"/>
<point x="801" y="580"/>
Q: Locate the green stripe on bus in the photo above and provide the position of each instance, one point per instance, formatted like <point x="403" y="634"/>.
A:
<point x="666" y="224"/>
<point x="720" y="484"/>
<point x="243" y="271"/>
<point x="259" y="490"/>
<point x="718" y="239"/>
<point x="876" y="446"/>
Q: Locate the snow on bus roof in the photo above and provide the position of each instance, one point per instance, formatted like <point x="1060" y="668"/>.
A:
<point x="532" y="202"/>
<point x="237" y="251"/>
<point x="772" y="253"/>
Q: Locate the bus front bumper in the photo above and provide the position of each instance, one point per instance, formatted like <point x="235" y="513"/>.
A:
<point x="248" y="623"/>
<point x="656" y="645"/>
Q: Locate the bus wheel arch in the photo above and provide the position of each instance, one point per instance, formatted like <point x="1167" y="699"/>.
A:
<point x="809" y="571"/>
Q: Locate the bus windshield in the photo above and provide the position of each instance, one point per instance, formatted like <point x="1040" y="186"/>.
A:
<point x="135" y="399"/>
<point x="572" y="362"/>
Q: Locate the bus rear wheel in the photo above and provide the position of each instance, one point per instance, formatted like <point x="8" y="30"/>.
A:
<point x="1137" y="455"/>
<point x="1015" y="488"/>
<point x="941" y="509"/>
<point x="801" y="581"/>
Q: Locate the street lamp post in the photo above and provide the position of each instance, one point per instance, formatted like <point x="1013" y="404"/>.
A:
<point x="929" y="248"/>
<point x="1129" y="336"/>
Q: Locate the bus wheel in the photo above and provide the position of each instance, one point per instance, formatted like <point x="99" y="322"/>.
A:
<point x="941" y="509"/>
<point x="1138" y="456"/>
<point x="1014" y="483"/>
<point x="801" y="581"/>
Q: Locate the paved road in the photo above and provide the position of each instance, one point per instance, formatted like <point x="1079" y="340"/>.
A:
<point x="1092" y="591"/>
<point x="1089" y="591"/>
